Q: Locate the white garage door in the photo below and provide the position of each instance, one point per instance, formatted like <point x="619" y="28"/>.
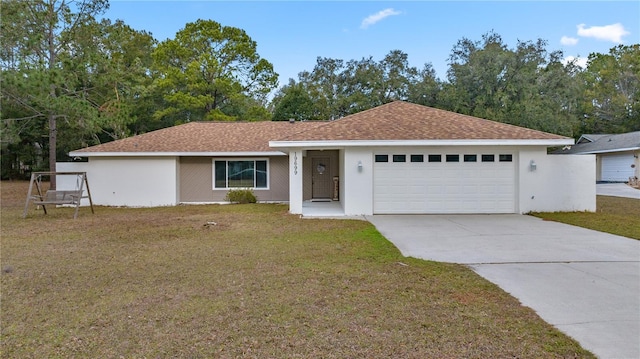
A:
<point x="617" y="168"/>
<point x="444" y="183"/>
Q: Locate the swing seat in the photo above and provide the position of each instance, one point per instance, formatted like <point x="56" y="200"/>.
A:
<point x="59" y="197"/>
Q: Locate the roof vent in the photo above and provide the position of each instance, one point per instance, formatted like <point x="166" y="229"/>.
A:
<point x="292" y="120"/>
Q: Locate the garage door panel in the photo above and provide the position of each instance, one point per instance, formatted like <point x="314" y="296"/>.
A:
<point x="461" y="187"/>
<point x="617" y="167"/>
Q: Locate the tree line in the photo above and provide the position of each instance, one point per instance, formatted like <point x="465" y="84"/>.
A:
<point x="71" y="79"/>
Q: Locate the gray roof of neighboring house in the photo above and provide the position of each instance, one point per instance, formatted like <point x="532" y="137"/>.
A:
<point x="590" y="143"/>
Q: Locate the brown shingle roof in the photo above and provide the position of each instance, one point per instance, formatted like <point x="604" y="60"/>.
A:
<point x="205" y="137"/>
<point x="394" y="121"/>
<point x="406" y="121"/>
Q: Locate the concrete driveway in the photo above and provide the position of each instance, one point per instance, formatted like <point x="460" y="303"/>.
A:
<point x="617" y="190"/>
<point x="585" y="283"/>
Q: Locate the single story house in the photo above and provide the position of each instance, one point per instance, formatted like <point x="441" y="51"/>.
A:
<point x="395" y="158"/>
<point x="616" y="155"/>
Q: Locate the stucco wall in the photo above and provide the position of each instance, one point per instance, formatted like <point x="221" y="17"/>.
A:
<point x="67" y="182"/>
<point x="636" y="155"/>
<point x="196" y="181"/>
<point x="358" y="182"/>
<point x="131" y="181"/>
<point x="559" y="183"/>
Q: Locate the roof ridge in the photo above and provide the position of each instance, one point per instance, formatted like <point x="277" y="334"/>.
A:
<point x="328" y="122"/>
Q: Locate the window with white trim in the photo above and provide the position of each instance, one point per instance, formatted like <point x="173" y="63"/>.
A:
<point x="240" y="174"/>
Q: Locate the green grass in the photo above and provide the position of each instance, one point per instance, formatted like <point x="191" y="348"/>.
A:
<point x="614" y="215"/>
<point x="259" y="284"/>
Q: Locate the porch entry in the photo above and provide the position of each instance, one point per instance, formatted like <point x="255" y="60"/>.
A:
<point x="321" y="181"/>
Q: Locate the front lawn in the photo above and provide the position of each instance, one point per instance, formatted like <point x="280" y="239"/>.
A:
<point x="242" y="281"/>
<point x="615" y="215"/>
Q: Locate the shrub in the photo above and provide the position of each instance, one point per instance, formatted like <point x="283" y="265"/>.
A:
<point x="241" y="196"/>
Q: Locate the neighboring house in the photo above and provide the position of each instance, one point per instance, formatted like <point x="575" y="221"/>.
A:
<point x="395" y="158"/>
<point x="616" y="155"/>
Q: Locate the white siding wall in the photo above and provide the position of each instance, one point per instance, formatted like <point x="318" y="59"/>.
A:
<point x="560" y="183"/>
<point x="131" y="181"/>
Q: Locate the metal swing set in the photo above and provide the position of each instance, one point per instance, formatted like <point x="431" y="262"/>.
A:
<point x="70" y="197"/>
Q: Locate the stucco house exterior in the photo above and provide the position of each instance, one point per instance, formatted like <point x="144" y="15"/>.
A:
<point x="617" y="156"/>
<point x="395" y="158"/>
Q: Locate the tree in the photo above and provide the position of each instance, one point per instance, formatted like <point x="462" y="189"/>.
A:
<point x="425" y="88"/>
<point x="397" y="77"/>
<point x="525" y="86"/>
<point x="337" y="88"/>
<point x="208" y="70"/>
<point x="42" y="36"/>
<point x="293" y="103"/>
<point x="612" y="93"/>
<point x="325" y="86"/>
<point x="119" y="78"/>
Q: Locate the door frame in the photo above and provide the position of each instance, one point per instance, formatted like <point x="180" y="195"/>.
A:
<point x="323" y="190"/>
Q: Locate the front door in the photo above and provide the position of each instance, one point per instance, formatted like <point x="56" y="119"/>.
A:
<point x="320" y="178"/>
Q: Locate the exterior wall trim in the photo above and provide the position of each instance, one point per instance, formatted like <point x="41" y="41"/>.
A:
<point x="175" y="154"/>
<point x="405" y="143"/>
<point x="630" y="149"/>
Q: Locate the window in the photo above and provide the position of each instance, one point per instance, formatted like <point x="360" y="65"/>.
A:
<point x="417" y="158"/>
<point x="435" y="158"/>
<point x="471" y="158"/>
<point x="505" y="158"/>
<point x="240" y="174"/>
<point x="382" y="158"/>
<point x="399" y="158"/>
<point x="453" y="158"/>
<point x="488" y="158"/>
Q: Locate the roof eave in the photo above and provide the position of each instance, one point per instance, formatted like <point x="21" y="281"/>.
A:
<point x="80" y="153"/>
<point x="406" y="143"/>
<point x="608" y="151"/>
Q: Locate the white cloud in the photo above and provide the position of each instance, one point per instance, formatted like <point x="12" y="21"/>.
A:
<point x="380" y="15"/>
<point x="570" y="41"/>
<point x="613" y="33"/>
<point x="580" y="61"/>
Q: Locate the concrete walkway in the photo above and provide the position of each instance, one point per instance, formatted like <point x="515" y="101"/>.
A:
<point x="585" y="283"/>
<point x="617" y="190"/>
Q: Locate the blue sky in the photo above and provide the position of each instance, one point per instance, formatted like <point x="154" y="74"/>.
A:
<point x="292" y="34"/>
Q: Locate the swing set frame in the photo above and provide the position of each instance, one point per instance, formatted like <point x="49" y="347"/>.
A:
<point x="57" y="197"/>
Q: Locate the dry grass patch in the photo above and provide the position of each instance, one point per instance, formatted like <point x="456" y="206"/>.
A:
<point x="260" y="283"/>
<point x="614" y="215"/>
